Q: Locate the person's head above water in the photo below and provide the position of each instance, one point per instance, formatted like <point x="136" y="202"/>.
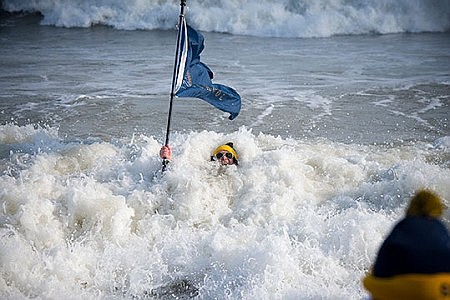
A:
<point x="225" y="154"/>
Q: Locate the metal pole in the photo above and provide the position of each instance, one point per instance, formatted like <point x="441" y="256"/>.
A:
<point x="172" y="94"/>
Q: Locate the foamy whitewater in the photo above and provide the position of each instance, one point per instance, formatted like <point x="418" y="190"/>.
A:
<point x="335" y="135"/>
<point x="281" y="18"/>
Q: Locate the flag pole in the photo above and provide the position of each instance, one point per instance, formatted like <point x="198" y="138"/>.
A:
<point x="172" y="90"/>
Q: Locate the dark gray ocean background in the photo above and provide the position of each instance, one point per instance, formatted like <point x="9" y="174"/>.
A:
<point x="103" y="82"/>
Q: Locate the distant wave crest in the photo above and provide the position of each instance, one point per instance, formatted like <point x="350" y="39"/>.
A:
<point x="275" y="18"/>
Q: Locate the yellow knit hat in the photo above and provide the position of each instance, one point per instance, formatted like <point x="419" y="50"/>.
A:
<point x="425" y="203"/>
<point x="226" y="147"/>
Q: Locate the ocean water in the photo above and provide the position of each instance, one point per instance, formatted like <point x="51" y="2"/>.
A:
<point x="345" y="114"/>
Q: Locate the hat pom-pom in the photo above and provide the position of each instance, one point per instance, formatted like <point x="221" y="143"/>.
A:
<point x="425" y="203"/>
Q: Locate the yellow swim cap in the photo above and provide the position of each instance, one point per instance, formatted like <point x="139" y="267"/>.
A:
<point x="226" y="147"/>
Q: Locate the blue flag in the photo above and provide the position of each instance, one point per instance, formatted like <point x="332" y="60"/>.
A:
<point x="197" y="80"/>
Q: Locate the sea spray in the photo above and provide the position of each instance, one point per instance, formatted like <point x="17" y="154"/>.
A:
<point x="281" y="18"/>
<point x="295" y="219"/>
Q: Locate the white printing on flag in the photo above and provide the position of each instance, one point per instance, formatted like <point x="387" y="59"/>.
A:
<point x="182" y="54"/>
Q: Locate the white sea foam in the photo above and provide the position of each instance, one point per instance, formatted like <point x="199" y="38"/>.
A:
<point x="296" y="219"/>
<point x="281" y="18"/>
